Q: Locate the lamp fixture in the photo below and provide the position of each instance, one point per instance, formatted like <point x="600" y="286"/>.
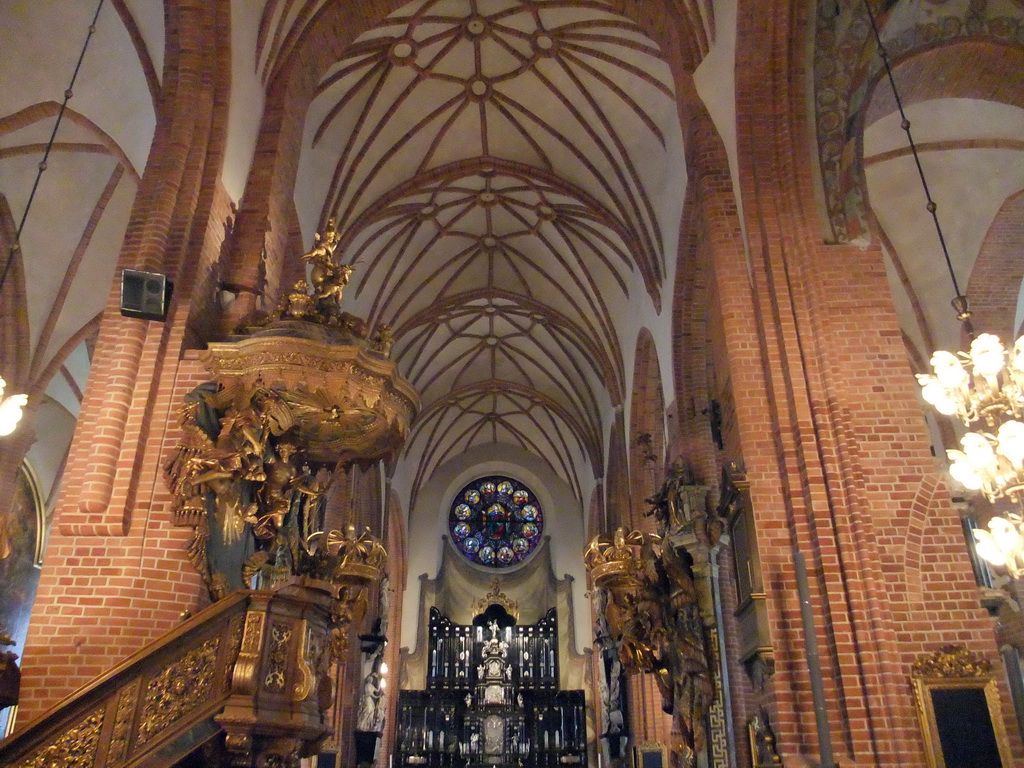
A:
<point x="982" y="388"/>
<point x="11" y="407"/>
<point x="10" y="410"/>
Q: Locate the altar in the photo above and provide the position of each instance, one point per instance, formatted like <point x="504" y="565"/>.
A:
<point x="491" y="699"/>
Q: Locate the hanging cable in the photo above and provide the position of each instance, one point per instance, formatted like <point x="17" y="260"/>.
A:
<point x="960" y="304"/>
<point x="68" y="93"/>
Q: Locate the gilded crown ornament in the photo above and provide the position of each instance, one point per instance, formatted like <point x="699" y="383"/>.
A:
<point x="951" y="661"/>
<point x="497" y="597"/>
<point x="653" y="614"/>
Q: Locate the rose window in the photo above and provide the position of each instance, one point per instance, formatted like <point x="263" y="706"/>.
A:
<point x="496" y="521"/>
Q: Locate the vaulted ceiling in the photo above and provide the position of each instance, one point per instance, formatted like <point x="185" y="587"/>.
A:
<point x="508" y="176"/>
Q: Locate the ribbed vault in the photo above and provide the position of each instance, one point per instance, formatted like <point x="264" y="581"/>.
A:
<point x="508" y="178"/>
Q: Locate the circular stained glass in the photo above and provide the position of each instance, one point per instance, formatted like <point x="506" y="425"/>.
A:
<point x="496" y="521"/>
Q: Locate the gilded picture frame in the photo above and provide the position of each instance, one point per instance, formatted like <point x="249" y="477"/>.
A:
<point x="928" y="691"/>
<point x="650" y="754"/>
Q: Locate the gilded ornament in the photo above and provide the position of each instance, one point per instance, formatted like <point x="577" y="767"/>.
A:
<point x="243" y="678"/>
<point x="179" y="688"/>
<point x="763" y="751"/>
<point x="332" y="555"/>
<point x="350" y="607"/>
<point x="312" y="661"/>
<point x="497" y="596"/>
<point x="117" y="752"/>
<point x="277" y="657"/>
<point x="951" y="661"/>
<point x="384" y="340"/>
<point x="235" y="632"/>
<point x="653" y="614"/>
<point x="75" y="748"/>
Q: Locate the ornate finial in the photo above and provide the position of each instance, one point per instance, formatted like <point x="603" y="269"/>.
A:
<point x="497" y="596"/>
<point x="952" y="661"/>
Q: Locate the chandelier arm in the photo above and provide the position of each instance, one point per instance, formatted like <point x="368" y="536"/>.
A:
<point x="960" y="300"/>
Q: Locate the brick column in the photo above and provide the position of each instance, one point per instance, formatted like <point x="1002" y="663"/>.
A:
<point x="115" y="574"/>
<point x="829" y="427"/>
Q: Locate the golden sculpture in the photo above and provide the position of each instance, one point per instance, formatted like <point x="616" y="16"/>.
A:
<point x="653" y="613"/>
<point x="328" y="278"/>
<point x="293" y="401"/>
<point x="318" y="300"/>
<point x="384" y="340"/>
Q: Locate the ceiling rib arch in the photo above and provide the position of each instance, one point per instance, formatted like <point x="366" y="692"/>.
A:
<point x="499" y="337"/>
<point x="492" y="232"/>
<point x="503" y="175"/>
<point x="581" y="96"/>
<point x="495" y="411"/>
<point x="587" y="350"/>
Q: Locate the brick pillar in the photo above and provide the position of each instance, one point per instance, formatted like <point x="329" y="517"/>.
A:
<point x="829" y="427"/>
<point x="115" y="574"/>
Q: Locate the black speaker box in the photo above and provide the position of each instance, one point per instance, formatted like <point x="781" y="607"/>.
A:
<point x="144" y="294"/>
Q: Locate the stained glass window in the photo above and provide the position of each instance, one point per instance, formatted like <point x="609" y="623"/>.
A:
<point x="496" y="521"/>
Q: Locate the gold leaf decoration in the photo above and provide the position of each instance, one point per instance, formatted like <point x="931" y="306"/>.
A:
<point x="183" y="685"/>
<point x="952" y="661"/>
<point x="74" y="749"/>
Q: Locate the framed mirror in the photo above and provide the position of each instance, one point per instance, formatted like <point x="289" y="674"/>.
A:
<point x="958" y="707"/>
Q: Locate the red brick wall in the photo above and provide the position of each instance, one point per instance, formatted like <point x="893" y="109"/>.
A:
<point x="832" y="435"/>
<point x="817" y="398"/>
<point x="996" y="278"/>
<point x="646" y="431"/>
<point x="115" y="574"/>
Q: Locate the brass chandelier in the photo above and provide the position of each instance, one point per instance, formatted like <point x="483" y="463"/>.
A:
<point x="983" y="389"/>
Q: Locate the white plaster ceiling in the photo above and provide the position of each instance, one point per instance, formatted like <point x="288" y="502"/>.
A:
<point x="508" y="177"/>
<point x="73" y="232"/>
<point x="972" y="154"/>
<point x="507" y="173"/>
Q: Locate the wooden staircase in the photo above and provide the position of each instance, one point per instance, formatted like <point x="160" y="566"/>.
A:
<point x="243" y="683"/>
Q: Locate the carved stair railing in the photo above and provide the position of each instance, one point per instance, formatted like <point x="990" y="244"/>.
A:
<point x="252" y="667"/>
